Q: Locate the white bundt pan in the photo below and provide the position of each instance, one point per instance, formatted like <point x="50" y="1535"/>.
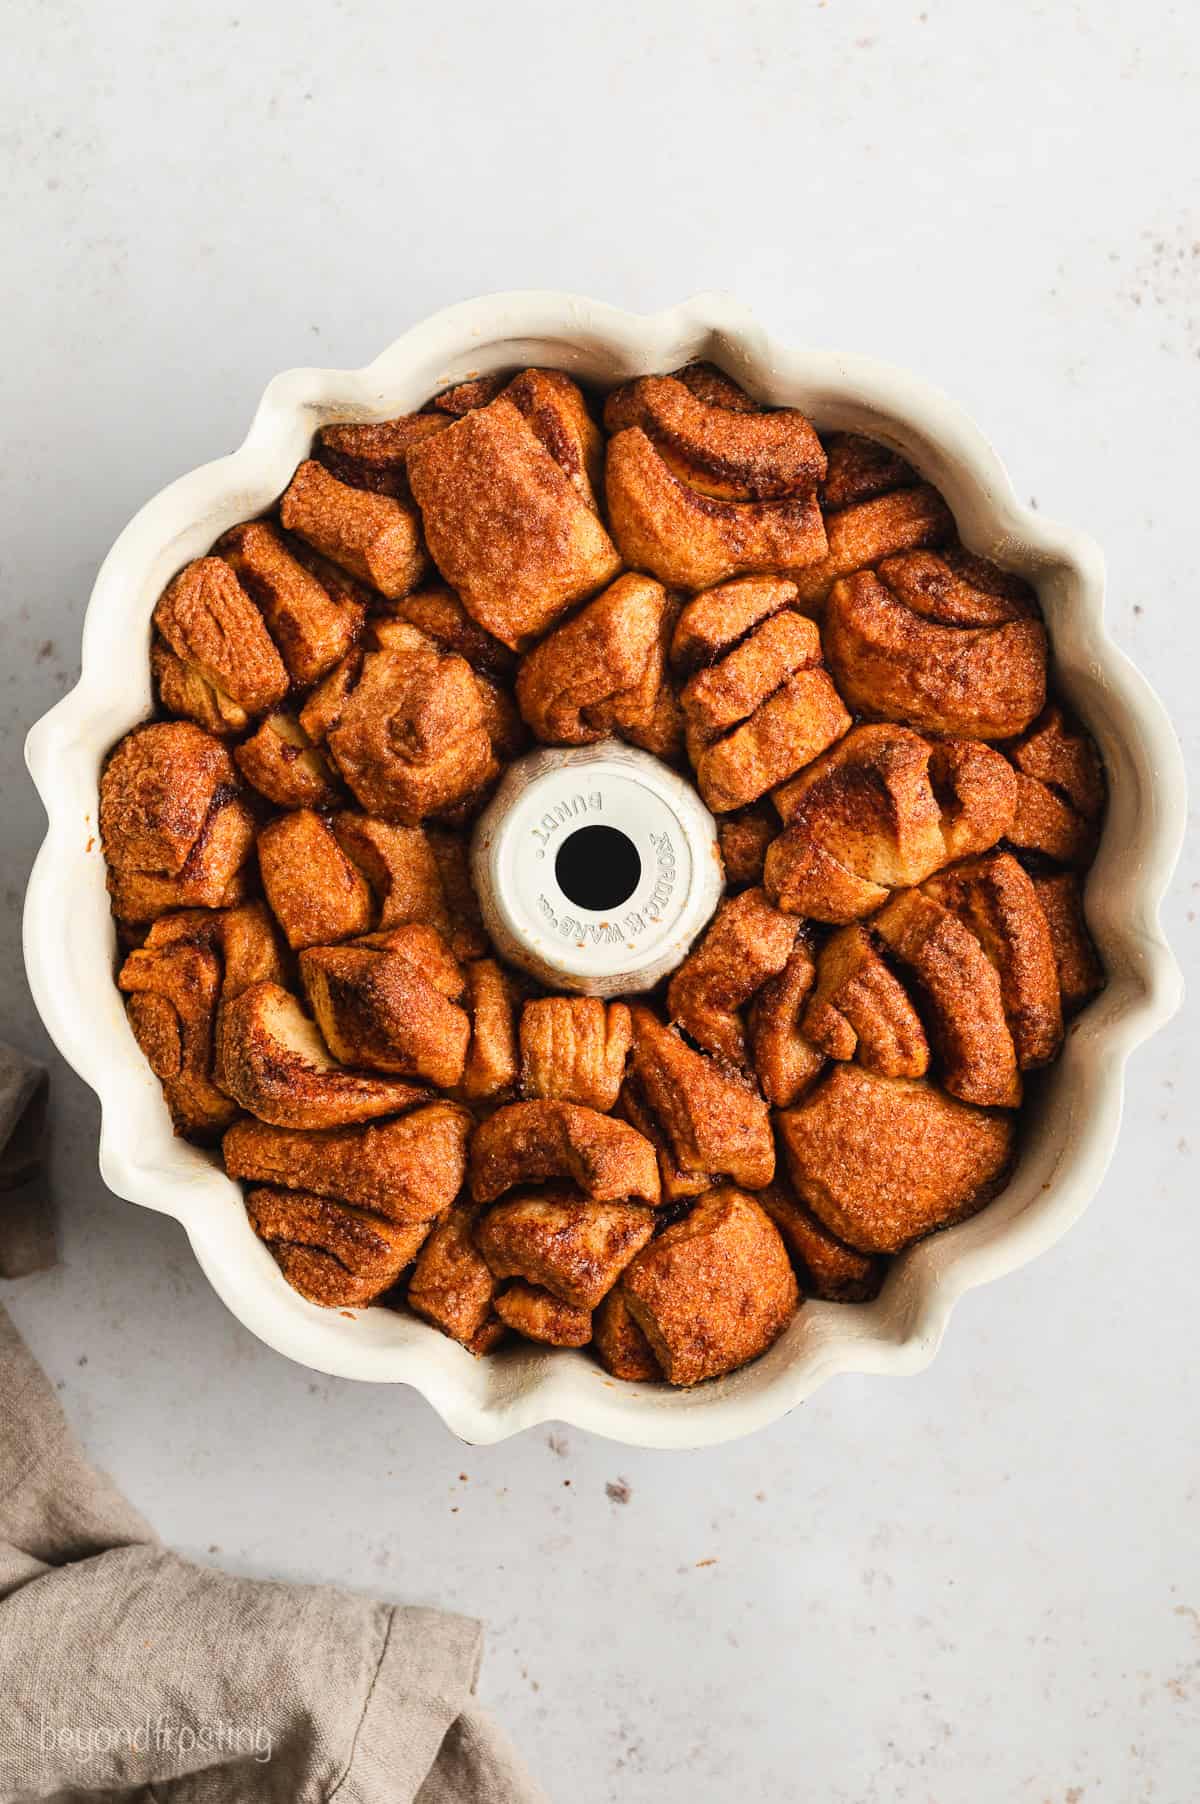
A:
<point x="1075" y="1109"/>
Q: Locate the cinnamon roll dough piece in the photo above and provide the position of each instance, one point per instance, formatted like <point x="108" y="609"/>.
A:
<point x="491" y="1064"/>
<point x="785" y="1060"/>
<point x="283" y="764"/>
<point x="996" y="899"/>
<point x="882" y="1161"/>
<point x="557" y="1239"/>
<point x="1043" y="821"/>
<point x="536" y="1315"/>
<point x="1061" y="791"/>
<point x="464" y="397"/>
<point x="409" y="1169"/>
<point x="380" y="1010"/>
<point x="747" y="942"/>
<point x="375" y="537"/>
<point x="960" y="988"/>
<point x="312" y="628"/>
<point x="714" y="621"/>
<point x="530" y="1141"/>
<point x="825" y="1266"/>
<point x="860" y="469"/>
<point x="791" y="728"/>
<point x="714" y="1290"/>
<point x="711" y="384"/>
<point x="315" y="893"/>
<point x="713" y="1123"/>
<point x="274" y="1062"/>
<point x="727" y="453"/>
<point x="417" y="874"/>
<point x="506" y="525"/>
<point x="554" y="409"/>
<point x="881" y="810"/>
<point x="860" y="1009"/>
<point x="744" y="837"/>
<point x="862" y="535"/>
<point x="452" y="1285"/>
<point x="334" y="1255"/>
<point x="689" y="540"/>
<point x="573" y="1049"/>
<point x="174" y="832"/>
<point x="437" y="612"/>
<point x="1077" y="963"/>
<point x="411" y="738"/>
<point x="621" y="1347"/>
<point x="374" y="455"/>
<point x="723" y="694"/>
<point x="221" y="664"/>
<point x="894" y="662"/>
<point x="606" y="659"/>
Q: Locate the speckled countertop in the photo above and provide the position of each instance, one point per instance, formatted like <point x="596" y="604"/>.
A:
<point x="979" y="1586"/>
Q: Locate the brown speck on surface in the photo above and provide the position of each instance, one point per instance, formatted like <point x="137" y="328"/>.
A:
<point x="462" y="1478"/>
<point x="566" y="1484"/>
<point x="618" y="1490"/>
<point x="45" y="650"/>
<point x="1137" y="608"/>
<point x="709" y="1562"/>
<point x="91" y="842"/>
<point x="349" y="1314"/>
<point x="559" y="1444"/>
<point x="82" y="1360"/>
<point x="214" y="1547"/>
<point x="760" y="1496"/>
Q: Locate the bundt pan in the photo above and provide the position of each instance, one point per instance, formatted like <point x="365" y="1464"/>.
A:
<point x="1073" y="1116"/>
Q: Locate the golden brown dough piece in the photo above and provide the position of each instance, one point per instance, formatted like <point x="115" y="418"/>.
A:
<point x="1060" y="790"/>
<point x="719" y="696"/>
<point x="573" y="1049"/>
<point x="794" y="726"/>
<point x="747" y="941"/>
<point x="283" y="764"/>
<point x="881" y="810"/>
<point x="537" y="1315"/>
<point x="960" y="989"/>
<point x="411" y="738"/>
<point x="311" y="627"/>
<point x="711" y="384"/>
<point x="996" y="899"/>
<point x="826" y="1267"/>
<point x="707" y="1123"/>
<point x="507" y="526"/>
<point x="380" y="1010"/>
<point x="410" y="1169"/>
<point x="221" y="664"/>
<point x="531" y="1141"/>
<point x="174" y="832"/>
<point x="375" y="455"/>
<point x="316" y="894"/>
<point x="332" y="1254"/>
<point x="689" y="540"/>
<point x="464" y="397"/>
<point x="408" y="868"/>
<point x="744" y="837"/>
<point x="437" y="612"/>
<point x="901" y="648"/>
<point x="785" y="1061"/>
<point x="375" y="537"/>
<point x="713" y="622"/>
<point x="274" y="1063"/>
<point x="860" y="1009"/>
<point x="731" y="454"/>
<point x="607" y="661"/>
<point x="714" y="1290"/>
<point x="491" y="1067"/>
<point x="883" y="1161"/>
<point x="556" y="412"/>
<point x="452" y="1285"/>
<point x="1080" y="973"/>
<point x="859" y="469"/>
<point x="621" y="1347"/>
<point x="557" y="1239"/>
<point x="858" y="537"/>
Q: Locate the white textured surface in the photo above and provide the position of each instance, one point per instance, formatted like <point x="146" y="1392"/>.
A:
<point x="981" y="1585"/>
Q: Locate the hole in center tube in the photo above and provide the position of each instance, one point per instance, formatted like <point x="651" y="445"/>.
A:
<point x="598" y="868"/>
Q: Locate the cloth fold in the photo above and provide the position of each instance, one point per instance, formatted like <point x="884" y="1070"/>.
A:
<point x="130" y="1673"/>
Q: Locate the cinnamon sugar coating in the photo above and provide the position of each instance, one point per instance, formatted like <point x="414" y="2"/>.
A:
<point x="825" y="1266"/>
<point x="573" y="1049"/>
<point x="452" y="1285"/>
<point x="491" y="1064"/>
<point x="621" y="1347"/>
<point x="882" y="1161"/>
<point x="714" y="621"/>
<point x="860" y="1009"/>
<point x="1077" y="963"/>
<point x="333" y="1254"/>
<point x="530" y="1141"/>
<point x="409" y="1169"/>
<point x="564" y="1242"/>
<point x="707" y="1122"/>
<point x="731" y="454"/>
<point x="506" y="525"/>
<point x="747" y="942"/>
<point x="379" y="1010"/>
<point x="538" y="1315"/>
<point x="744" y="836"/>
<point x="315" y="893"/>
<point x="375" y="455"/>
<point x="602" y="669"/>
<point x="311" y="627"/>
<point x="374" y="537"/>
<point x="283" y="764"/>
<point x="218" y="643"/>
<point x="714" y="1290"/>
<point x="864" y="534"/>
<point x="785" y="1060"/>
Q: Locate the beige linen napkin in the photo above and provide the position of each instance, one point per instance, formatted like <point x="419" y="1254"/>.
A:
<point x="129" y="1672"/>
